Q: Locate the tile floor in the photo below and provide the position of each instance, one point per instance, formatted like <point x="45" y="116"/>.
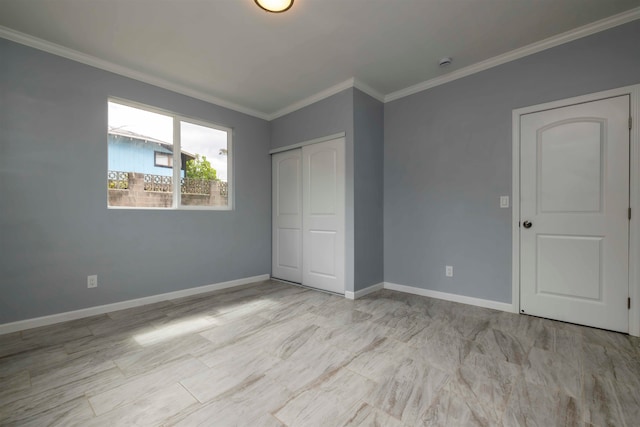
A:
<point x="272" y="354"/>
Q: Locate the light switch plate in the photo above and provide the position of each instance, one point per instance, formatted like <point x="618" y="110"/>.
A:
<point x="504" y="201"/>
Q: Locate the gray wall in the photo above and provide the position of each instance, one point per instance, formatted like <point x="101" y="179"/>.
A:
<point x="448" y="159"/>
<point x="55" y="228"/>
<point x="368" y="195"/>
<point x="326" y="117"/>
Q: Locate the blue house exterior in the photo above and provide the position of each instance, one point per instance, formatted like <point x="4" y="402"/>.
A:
<point x="129" y="152"/>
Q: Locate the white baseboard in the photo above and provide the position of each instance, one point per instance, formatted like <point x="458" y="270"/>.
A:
<point x="496" y="305"/>
<point x="101" y="309"/>
<point x="363" y="292"/>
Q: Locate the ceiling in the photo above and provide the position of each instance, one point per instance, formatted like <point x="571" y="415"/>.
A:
<point x="263" y="63"/>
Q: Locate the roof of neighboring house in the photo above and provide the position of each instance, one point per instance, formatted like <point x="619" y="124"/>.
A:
<point x="128" y="134"/>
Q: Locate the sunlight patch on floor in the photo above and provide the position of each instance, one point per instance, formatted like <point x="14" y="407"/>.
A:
<point x="176" y="329"/>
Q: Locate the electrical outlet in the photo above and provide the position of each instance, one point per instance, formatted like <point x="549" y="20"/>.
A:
<point x="504" y="201"/>
<point x="92" y="281"/>
<point x="448" y="271"/>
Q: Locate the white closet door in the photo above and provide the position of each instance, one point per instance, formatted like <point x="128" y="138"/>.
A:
<point x="324" y="215"/>
<point x="287" y="215"/>
<point x="574" y="198"/>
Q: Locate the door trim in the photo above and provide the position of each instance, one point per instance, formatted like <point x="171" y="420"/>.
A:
<point x="634" y="190"/>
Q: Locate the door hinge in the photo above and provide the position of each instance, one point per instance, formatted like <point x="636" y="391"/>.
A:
<point x="629" y="213"/>
<point x="630" y="122"/>
<point x="628" y="303"/>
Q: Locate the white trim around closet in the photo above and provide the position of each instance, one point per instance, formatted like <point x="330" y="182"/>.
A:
<point x="309" y="142"/>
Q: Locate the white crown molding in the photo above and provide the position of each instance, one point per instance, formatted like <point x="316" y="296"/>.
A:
<point x="74" y="55"/>
<point x="363" y="87"/>
<point x="352" y="82"/>
<point x="571" y="35"/>
<point x="313" y="99"/>
<point x="566" y="37"/>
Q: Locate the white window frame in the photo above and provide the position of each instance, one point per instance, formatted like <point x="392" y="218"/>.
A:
<point x="177" y="150"/>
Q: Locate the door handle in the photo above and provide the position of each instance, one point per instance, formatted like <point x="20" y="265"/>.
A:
<point x="527" y="224"/>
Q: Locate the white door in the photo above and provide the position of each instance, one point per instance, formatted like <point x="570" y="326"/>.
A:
<point x="323" y="220"/>
<point x="574" y="232"/>
<point x="287" y="215"/>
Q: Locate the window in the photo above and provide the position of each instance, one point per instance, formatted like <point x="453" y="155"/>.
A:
<point x="163" y="160"/>
<point x="157" y="159"/>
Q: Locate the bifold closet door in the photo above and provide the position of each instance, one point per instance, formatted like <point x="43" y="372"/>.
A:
<point x="309" y="215"/>
<point x="287" y="215"/>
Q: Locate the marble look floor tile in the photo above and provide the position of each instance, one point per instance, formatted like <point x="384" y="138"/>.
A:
<point x="249" y="403"/>
<point x="332" y="317"/>
<point x="53" y="334"/>
<point x="281" y="355"/>
<point x="12" y="384"/>
<point x="108" y="347"/>
<point x="73" y="412"/>
<point x="615" y="365"/>
<point x="569" y="345"/>
<point x="309" y="297"/>
<point x="68" y="371"/>
<point x="444" y="351"/>
<point x="284" y="347"/>
<point x="451" y="410"/>
<point x="599" y="401"/>
<point x="208" y="385"/>
<point x="379" y="359"/>
<point x="149" y="311"/>
<point x="413" y="302"/>
<point x="149" y="409"/>
<point x="29" y="403"/>
<point x="462" y="324"/>
<point x="146" y="322"/>
<point x="408" y="389"/>
<point x="17" y="347"/>
<point x="534" y="405"/>
<point x="485" y="385"/>
<point x="329" y="403"/>
<point x="286" y="311"/>
<point x="549" y="369"/>
<point x="10" y="339"/>
<point x="612" y="340"/>
<point x="404" y="319"/>
<point x="353" y="338"/>
<point x="141" y="385"/>
<point x="38" y="357"/>
<point x="526" y="328"/>
<point x="377" y="305"/>
<point x="232" y="332"/>
<point x="308" y="365"/>
<point x="629" y="402"/>
<point x="367" y="416"/>
<point x="245" y="355"/>
<point x="148" y="358"/>
<point x="502" y="346"/>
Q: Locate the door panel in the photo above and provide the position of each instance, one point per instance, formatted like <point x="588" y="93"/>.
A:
<point x="570" y="161"/>
<point x="575" y="192"/>
<point x="287" y="216"/>
<point x="570" y="266"/>
<point x="324" y="215"/>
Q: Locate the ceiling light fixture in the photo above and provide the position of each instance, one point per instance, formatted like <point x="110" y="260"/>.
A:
<point x="275" y="6"/>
